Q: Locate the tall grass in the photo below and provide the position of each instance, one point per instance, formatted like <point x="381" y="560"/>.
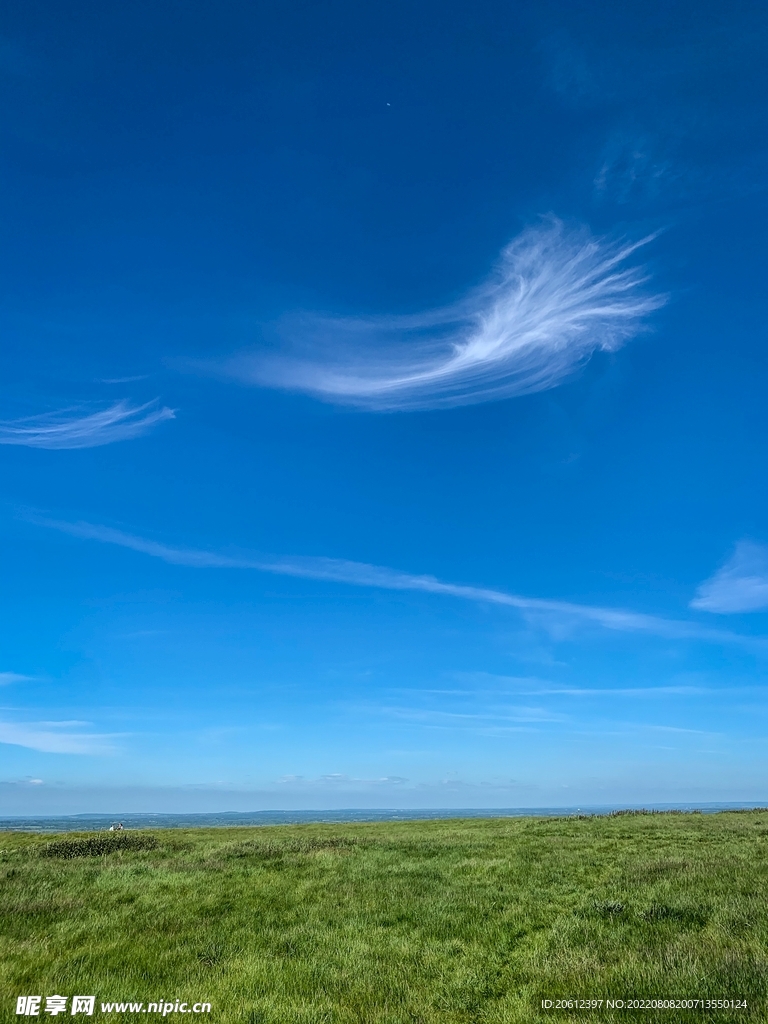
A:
<point x="453" y="922"/>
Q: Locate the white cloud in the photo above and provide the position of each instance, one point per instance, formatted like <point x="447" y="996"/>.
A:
<point x="176" y="556"/>
<point x="483" y="720"/>
<point x="552" y="614"/>
<point x="632" y="168"/>
<point x="124" y="380"/>
<point x="6" y="678"/>
<point x="53" y="737"/>
<point x="338" y="779"/>
<point x="741" y="585"/>
<point x="556" y="297"/>
<point x="68" y="428"/>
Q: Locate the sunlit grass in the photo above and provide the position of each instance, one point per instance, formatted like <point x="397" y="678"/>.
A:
<point x="395" y="923"/>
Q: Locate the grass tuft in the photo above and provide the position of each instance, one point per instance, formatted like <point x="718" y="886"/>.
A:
<point x="98" y="845"/>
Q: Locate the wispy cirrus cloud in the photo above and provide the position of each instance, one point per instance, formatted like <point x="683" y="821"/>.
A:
<point x="54" y="737"/>
<point x="512" y="719"/>
<point x="633" y="168"/>
<point x="498" y="687"/>
<point x="557" y="296"/>
<point x="72" y="428"/>
<point x="6" y="678"/>
<point x="338" y="780"/>
<point x="741" y="585"/>
<point x="124" y="380"/>
<point x="551" y="614"/>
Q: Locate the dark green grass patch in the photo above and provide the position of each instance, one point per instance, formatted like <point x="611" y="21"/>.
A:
<point x="99" y="844"/>
<point x="440" y="922"/>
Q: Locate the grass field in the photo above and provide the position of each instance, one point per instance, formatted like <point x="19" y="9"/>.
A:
<point x="394" y="923"/>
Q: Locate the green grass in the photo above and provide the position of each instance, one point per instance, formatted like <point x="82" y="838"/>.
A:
<point x="405" y="923"/>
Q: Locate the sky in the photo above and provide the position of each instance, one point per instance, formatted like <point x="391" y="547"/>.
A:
<point x="382" y="405"/>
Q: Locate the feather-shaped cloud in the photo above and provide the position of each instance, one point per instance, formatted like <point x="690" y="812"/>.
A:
<point x="557" y="296"/>
<point x="70" y="428"/>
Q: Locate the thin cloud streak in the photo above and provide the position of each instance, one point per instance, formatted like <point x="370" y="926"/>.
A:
<point x="362" y="575"/>
<point x="124" y="380"/>
<point x="532" y="689"/>
<point x="67" y="428"/>
<point x="6" y="678"/>
<point x="53" y="738"/>
<point x="741" y="585"/>
<point x="557" y="296"/>
<point x="457" y="719"/>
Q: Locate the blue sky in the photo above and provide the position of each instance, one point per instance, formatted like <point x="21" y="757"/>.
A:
<point x="382" y="407"/>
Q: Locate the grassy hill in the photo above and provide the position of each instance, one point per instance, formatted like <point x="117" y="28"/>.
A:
<point x="394" y="923"/>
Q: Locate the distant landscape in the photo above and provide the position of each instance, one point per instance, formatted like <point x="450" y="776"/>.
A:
<point x="222" y="819"/>
<point x="452" y="920"/>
